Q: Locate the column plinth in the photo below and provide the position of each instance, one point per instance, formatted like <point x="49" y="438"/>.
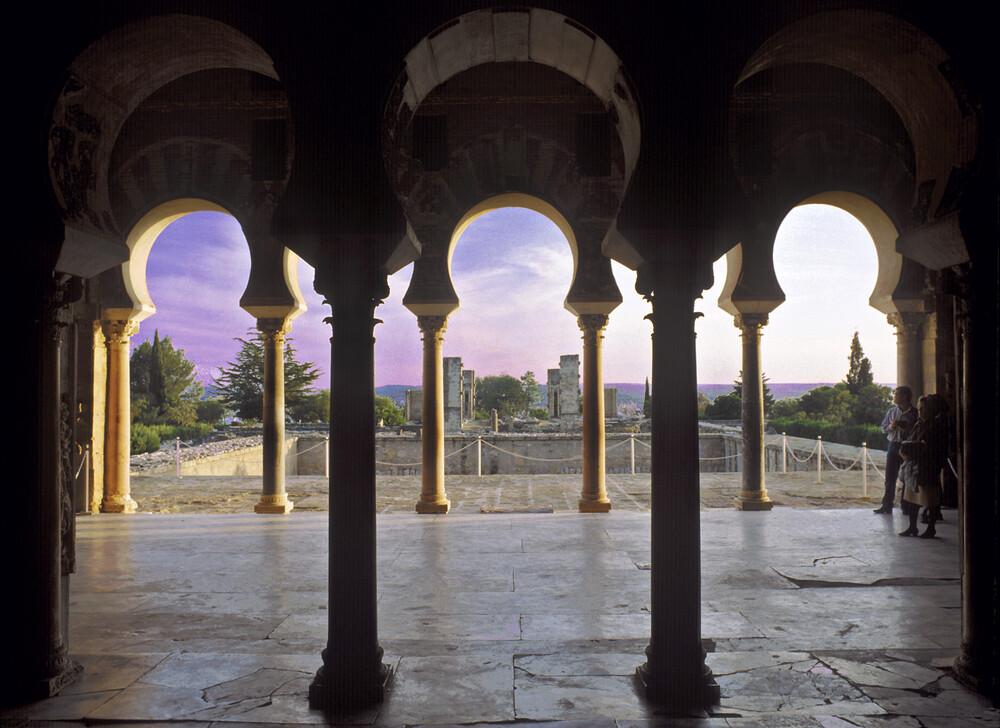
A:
<point x="118" y="419"/>
<point x="432" y="493"/>
<point x="753" y="495"/>
<point x="273" y="498"/>
<point x="594" y="494"/>
<point x="675" y="675"/>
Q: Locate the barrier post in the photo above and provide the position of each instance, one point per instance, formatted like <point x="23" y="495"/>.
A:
<point x="479" y="456"/>
<point x="631" y="453"/>
<point x="86" y="474"/>
<point x="177" y="456"/>
<point x="326" y="458"/>
<point x="864" y="470"/>
<point x="784" y="452"/>
<point x="819" y="458"/>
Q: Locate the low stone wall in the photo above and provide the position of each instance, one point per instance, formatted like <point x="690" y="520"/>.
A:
<point x="719" y="451"/>
<point x="235" y="457"/>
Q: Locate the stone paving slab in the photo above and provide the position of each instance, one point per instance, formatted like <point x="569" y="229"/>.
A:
<point x="221" y="619"/>
<point x="470" y="494"/>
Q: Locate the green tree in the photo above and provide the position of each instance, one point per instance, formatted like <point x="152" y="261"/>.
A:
<point x="163" y="385"/>
<point x="768" y="397"/>
<point x="830" y="404"/>
<point x="314" y="407"/>
<point x="503" y="393"/>
<point x="870" y="404"/>
<point x="210" y="410"/>
<point x="530" y="386"/>
<point x="240" y="383"/>
<point x="703" y="404"/>
<point x="725" y="407"/>
<point x="859" y="372"/>
<point x="388" y="411"/>
<point x="646" y="400"/>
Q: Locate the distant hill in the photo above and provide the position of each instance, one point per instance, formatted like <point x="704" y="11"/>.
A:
<point x="395" y="392"/>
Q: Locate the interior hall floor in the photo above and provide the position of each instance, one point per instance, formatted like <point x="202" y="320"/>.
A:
<point x="811" y="617"/>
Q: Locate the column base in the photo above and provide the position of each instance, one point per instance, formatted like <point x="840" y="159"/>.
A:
<point x="23" y="691"/>
<point x="280" y="508"/>
<point x="753" y="502"/>
<point x="594" y="506"/>
<point x="975" y="679"/>
<point x="119" y="504"/>
<point x="349" y="694"/>
<point x="431" y="507"/>
<point x="692" y="703"/>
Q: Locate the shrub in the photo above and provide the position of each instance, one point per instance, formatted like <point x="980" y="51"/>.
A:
<point x="841" y="434"/>
<point x="185" y="432"/>
<point x="144" y="439"/>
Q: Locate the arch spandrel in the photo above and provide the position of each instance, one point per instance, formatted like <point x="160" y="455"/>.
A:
<point x="104" y="86"/>
<point x="906" y="66"/>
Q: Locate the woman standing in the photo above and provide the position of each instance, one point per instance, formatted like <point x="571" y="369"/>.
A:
<point x="931" y="431"/>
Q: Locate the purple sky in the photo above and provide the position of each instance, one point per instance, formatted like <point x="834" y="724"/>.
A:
<point x="511" y="270"/>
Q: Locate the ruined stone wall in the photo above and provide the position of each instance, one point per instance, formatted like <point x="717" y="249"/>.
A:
<point x="569" y="385"/>
<point x="552" y="392"/>
<point x="452" y="394"/>
<point x="414" y="404"/>
<point x="468" y="394"/>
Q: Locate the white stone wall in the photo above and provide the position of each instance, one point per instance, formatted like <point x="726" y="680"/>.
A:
<point x="569" y="386"/>
<point x="452" y="394"/>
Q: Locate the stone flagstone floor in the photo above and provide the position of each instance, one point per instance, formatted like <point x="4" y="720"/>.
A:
<point x="811" y="617"/>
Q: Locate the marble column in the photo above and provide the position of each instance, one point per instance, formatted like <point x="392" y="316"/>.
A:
<point x="118" y="418"/>
<point x="594" y="495"/>
<point x="273" y="498"/>
<point x="352" y="675"/>
<point x="909" y="350"/>
<point x="753" y="494"/>
<point x="432" y="495"/>
<point x="976" y="665"/>
<point x="35" y="662"/>
<point x="675" y="675"/>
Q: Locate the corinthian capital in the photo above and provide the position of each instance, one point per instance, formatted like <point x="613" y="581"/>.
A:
<point x="119" y="331"/>
<point x="432" y="325"/>
<point x="273" y="329"/>
<point x="592" y="322"/>
<point x="907" y="323"/>
<point x="750" y="321"/>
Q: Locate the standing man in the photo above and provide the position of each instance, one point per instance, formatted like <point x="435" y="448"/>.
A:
<point x="897" y="424"/>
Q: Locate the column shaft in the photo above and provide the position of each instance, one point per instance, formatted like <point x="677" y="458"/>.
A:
<point x="118" y="419"/>
<point x="594" y="494"/>
<point x="909" y="351"/>
<point x="273" y="498"/>
<point x="432" y="494"/>
<point x="352" y="674"/>
<point x="35" y="662"/>
<point x="977" y="665"/>
<point x="675" y="675"/>
<point x="753" y="494"/>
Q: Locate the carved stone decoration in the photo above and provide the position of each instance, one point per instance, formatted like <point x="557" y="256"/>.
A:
<point x="67" y="478"/>
<point x="73" y="140"/>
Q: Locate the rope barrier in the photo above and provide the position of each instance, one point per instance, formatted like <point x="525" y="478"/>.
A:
<point x="644" y="444"/>
<point x="526" y="457"/>
<point x="399" y="465"/>
<point x="952" y="468"/>
<point x="83" y="461"/>
<point x="796" y="458"/>
<point x="303" y="452"/>
<point x="875" y="467"/>
<point x="842" y="470"/>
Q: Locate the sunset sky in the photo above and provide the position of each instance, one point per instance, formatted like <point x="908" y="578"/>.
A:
<point x="512" y="269"/>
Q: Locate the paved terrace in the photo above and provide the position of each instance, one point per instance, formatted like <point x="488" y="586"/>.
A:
<point x="812" y="617"/>
<point x="469" y="494"/>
